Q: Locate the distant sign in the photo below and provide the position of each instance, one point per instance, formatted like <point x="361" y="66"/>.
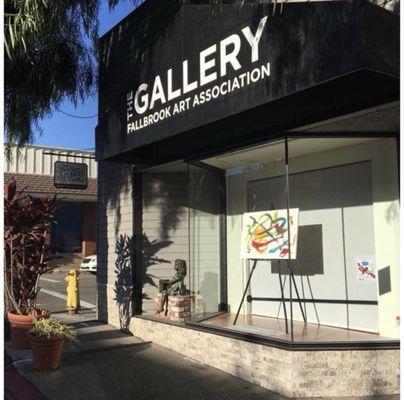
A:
<point x="70" y="175"/>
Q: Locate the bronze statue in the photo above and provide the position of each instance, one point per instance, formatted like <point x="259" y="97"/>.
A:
<point x="175" y="286"/>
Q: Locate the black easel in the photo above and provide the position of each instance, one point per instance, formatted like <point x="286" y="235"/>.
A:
<point x="297" y="293"/>
<point x="283" y="299"/>
<point x="282" y="294"/>
<point x="245" y="291"/>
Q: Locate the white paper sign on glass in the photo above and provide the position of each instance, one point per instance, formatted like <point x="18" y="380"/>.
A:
<point x="267" y="235"/>
<point x="365" y="269"/>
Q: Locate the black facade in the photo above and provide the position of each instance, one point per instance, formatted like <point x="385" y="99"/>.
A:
<point x="323" y="59"/>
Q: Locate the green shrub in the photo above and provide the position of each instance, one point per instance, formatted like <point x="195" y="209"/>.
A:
<point x="52" y="328"/>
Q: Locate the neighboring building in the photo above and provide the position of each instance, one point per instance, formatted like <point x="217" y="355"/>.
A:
<point x="206" y="118"/>
<point x="75" y="227"/>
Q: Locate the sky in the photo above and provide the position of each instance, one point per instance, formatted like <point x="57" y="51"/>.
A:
<point x="60" y="130"/>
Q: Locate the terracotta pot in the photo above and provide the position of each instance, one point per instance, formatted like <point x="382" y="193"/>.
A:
<point x="20" y="325"/>
<point x="46" y="353"/>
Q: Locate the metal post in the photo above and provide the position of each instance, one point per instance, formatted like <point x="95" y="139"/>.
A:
<point x="287" y="216"/>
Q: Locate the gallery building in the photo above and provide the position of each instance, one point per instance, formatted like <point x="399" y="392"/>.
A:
<point x="34" y="169"/>
<point x="259" y="145"/>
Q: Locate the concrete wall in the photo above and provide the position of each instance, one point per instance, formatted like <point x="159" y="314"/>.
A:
<point x="291" y="373"/>
<point x="114" y="243"/>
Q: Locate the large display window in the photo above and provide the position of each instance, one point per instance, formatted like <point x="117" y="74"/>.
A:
<point x="340" y="280"/>
<point x="181" y="214"/>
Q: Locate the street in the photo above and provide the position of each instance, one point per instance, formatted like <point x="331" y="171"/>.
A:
<point x="52" y="295"/>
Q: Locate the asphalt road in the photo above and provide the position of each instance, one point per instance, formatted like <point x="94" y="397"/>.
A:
<point x="52" y="295"/>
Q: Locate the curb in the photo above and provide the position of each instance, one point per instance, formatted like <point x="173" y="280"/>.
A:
<point x="16" y="387"/>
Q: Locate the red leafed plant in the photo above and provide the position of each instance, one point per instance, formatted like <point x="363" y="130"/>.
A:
<point x="27" y="223"/>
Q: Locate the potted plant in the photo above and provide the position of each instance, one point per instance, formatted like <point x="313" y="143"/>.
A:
<point x="47" y="338"/>
<point x="27" y="223"/>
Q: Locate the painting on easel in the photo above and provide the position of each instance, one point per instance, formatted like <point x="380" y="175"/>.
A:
<point x="265" y="234"/>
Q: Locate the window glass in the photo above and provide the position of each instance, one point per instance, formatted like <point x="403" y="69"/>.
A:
<point x="204" y="238"/>
<point x="181" y="241"/>
<point x="311" y="240"/>
<point x="256" y="184"/>
<point x="347" y="195"/>
<point x="165" y="231"/>
<point x="341" y="284"/>
<point x="66" y="232"/>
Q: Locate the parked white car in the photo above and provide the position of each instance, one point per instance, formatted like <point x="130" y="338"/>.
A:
<point x="89" y="264"/>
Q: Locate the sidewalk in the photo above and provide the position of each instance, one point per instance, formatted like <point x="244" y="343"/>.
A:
<point x="109" y="364"/>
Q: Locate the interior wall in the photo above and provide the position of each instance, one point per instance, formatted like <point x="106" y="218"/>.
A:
<point x="335" y="223"/>
<point x="382" y="156"/>
<point x="386" y="218"/>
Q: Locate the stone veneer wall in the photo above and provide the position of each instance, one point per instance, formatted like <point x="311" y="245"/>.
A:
<point x="292" y="373"/>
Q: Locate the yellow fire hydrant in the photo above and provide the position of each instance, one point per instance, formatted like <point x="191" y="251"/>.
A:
<point x="73" y="298"/>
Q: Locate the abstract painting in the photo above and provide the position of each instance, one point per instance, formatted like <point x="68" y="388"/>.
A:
<point x="265" y="234"/>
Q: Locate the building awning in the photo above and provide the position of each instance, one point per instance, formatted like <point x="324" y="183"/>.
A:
<point x="177" y="81"/>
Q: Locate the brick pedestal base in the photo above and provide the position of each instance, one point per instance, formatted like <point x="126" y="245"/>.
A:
<point x="179" y="307"/>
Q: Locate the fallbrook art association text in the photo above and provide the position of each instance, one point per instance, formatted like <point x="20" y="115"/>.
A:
<point x="144" y="101"/>
<point x="202" y="97"/>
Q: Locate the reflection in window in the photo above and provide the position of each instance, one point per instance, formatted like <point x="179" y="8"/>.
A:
<point x="346" y="192"/>
<point x="181" y="222"/>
